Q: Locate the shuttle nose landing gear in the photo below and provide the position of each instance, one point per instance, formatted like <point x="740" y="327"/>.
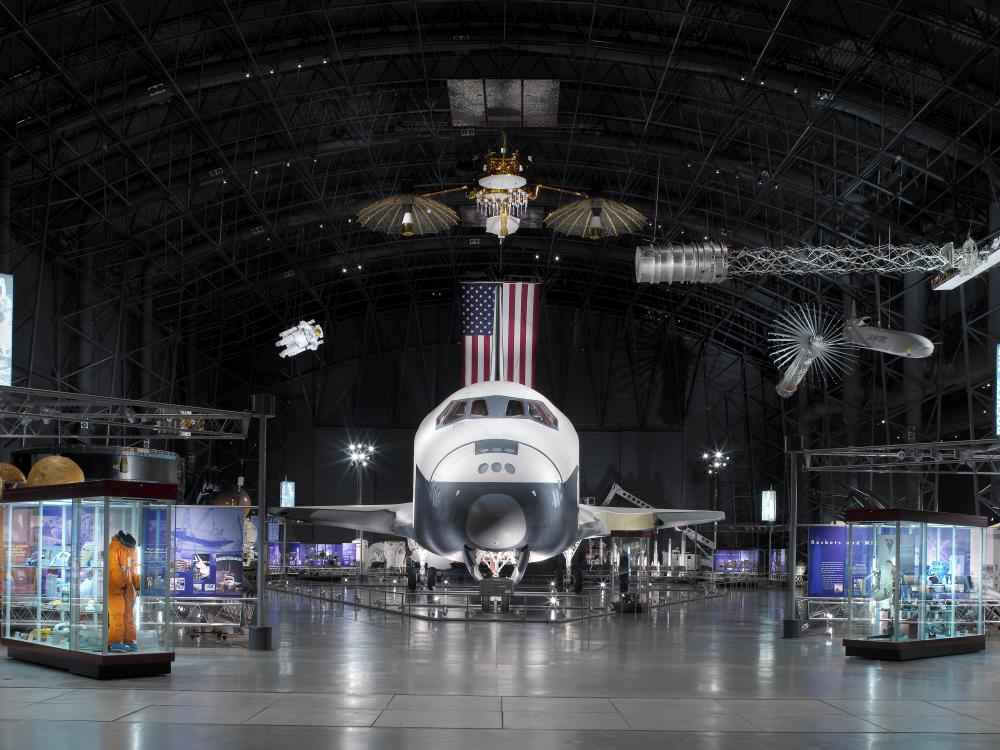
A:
<point x="494" y="561"/>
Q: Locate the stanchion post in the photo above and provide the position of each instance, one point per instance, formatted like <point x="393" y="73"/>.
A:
<point x="792" y="626"/>
<point x="260" y="634"/>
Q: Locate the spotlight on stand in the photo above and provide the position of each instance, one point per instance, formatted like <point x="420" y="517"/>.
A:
<point x="306" y="336"/>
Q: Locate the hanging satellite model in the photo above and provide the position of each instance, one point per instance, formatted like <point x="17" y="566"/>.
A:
<point x="808" y="335"/>
<point x="306" y="336"/>
<point x="595" y="218"/>
<point x="502" y="197"/>
<point x="408" y="215"/>
<point x="804" y="337"/>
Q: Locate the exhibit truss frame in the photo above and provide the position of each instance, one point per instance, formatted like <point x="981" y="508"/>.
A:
<point x="32" y="413"/>
<point x="838" y="260"/>
<point x="970" y="457"/>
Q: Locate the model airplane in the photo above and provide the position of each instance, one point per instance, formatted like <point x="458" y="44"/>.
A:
<point x="495" y="486"/>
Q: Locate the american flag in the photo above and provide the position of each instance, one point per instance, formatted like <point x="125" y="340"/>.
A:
<point x="518" y="331"/>
<point x="504" y="312"/>
<point x="479" y="305"/>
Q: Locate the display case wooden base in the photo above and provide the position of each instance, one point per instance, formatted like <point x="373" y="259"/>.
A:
<point x="98" y="666"/>
<point x="906" y="650"/>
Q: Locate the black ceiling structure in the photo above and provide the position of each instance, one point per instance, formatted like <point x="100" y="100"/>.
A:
<point x="213" y="155"/>
<point x="180" y="180"/>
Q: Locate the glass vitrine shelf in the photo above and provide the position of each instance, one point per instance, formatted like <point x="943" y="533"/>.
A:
<point x="85" y="571"/>
<point x="918" y="584"/>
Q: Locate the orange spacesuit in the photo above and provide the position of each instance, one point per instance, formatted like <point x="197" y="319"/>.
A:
<point x="123" y="586"/>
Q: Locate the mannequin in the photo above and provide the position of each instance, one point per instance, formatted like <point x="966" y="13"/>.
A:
<point x="123" y="587"/>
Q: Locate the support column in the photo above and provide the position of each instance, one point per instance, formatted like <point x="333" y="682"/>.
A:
<point x="260" y="633"/>
<point x="993" y="323"/>
<point x="852" y="389"/>
<point x="147" y="331"/>
<point x="85" y="379"/>
<point x="914" y="318"/>
<point x="791" y="626"/>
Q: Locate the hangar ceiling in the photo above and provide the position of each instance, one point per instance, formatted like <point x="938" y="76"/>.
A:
<point x="211" y="156"/>
<point x="181" y="181"/>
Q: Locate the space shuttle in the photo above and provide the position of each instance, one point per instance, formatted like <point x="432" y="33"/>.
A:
<point x="496" y="485"/>
<point x="860" y="333"/>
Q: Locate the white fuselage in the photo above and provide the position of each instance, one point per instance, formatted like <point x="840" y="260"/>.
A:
<point x="496" y="468"/>
<point x="898" y="343"/>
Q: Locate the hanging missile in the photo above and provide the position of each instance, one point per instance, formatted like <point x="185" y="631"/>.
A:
<point x="794" y="375"/>
<point x="899" y="343"/>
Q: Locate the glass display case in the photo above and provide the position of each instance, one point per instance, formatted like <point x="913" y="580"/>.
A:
<point x="85" y="570"/>
<point x="922" y="592"/>
<point x="736" y="561"/>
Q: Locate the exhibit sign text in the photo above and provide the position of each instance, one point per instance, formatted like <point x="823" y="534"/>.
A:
<point x="827" y="575"/>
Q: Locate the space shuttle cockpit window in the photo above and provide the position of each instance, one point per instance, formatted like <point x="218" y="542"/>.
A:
<point x="539" y="412"/>
<point x="479" y="408"/>
<point x="452" y="413"/>
<point x="515" y="408"/>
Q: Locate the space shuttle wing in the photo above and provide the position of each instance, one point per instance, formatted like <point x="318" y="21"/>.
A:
<point x="381" y="519"/>
<point x="602" y="521"/>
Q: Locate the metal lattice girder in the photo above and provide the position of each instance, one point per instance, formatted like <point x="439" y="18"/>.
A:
<point x="31" y="412"/>
<point x="959" y="457"/>
<point x="827" y="259"/>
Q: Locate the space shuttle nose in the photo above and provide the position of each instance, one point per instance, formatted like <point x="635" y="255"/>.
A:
<point x="496" y="521"/>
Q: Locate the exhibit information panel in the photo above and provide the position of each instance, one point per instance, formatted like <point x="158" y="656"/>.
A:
<point x="778" y="562"/>
<point x="87" y="577"/>
<point x="826" y="572"/>
<point x="924" y="593"/>
<point x="208" y="551"/>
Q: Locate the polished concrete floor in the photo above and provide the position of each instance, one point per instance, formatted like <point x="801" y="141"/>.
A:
<point x="704" y="674"/>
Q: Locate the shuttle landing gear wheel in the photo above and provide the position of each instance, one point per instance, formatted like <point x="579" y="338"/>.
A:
<point x="577" y="580"/>
<point x="411" y="579"/>
<point x="432" y="577"/>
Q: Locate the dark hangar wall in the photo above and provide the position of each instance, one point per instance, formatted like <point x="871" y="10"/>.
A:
<point x="641" y="398"/>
